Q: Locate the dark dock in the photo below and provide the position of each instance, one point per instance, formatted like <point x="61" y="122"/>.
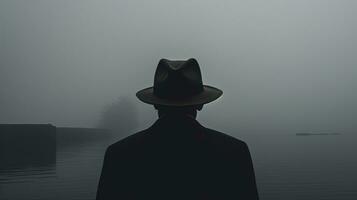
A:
<point x="27" y="145"/>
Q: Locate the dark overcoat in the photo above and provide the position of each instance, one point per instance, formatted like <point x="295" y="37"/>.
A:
<point x="177" y="158"/>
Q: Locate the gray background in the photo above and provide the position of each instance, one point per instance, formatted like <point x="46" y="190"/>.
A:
<point x="284" y="65"/>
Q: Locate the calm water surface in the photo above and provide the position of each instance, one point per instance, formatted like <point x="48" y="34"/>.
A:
<point x="287" y="167"/>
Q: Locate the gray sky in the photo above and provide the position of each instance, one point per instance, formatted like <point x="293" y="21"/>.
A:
<point x="284" y="65"/>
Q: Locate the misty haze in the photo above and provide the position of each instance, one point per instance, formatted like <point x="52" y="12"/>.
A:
<point x="287" y="69"/>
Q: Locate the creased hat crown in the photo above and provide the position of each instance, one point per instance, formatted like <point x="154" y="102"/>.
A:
<point x="177" y="79"/>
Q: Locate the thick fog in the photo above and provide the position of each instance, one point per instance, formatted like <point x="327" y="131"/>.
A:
<point x="283" y="65"/>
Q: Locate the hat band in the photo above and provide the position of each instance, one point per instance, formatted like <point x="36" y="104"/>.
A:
<point x="176" y="92"/>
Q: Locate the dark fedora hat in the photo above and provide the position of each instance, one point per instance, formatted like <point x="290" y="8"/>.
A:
<point x="178" y="83"/>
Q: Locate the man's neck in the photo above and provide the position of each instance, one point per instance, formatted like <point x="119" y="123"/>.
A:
<point x="178" y="114"/>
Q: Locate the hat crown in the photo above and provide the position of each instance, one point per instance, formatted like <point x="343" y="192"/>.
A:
<point x="177" y="79"/>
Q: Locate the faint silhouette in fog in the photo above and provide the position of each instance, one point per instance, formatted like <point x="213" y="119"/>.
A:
<point x="178" y="158"/>
<point x="120" y="117"/>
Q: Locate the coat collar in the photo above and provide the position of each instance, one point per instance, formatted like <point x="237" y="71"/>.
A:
<point x="176" y="121"/>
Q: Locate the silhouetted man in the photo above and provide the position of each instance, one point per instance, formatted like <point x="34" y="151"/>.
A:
<point x="177" y="158"/>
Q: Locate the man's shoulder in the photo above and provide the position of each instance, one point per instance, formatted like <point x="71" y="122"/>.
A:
<point x="129" y="141"/>
<point x="212" y="136"/>
<point x="224" y="139"/>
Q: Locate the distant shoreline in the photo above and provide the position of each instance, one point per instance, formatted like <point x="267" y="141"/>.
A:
<point x="50" y="125"/>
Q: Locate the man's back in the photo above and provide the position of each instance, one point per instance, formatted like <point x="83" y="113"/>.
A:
<point x="177" y="158"/>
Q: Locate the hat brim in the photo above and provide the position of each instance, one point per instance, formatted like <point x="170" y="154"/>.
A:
<point x="208" y="94"/>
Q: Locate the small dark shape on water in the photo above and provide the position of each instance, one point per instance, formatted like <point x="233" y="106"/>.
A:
<point x="308" y="134"/>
